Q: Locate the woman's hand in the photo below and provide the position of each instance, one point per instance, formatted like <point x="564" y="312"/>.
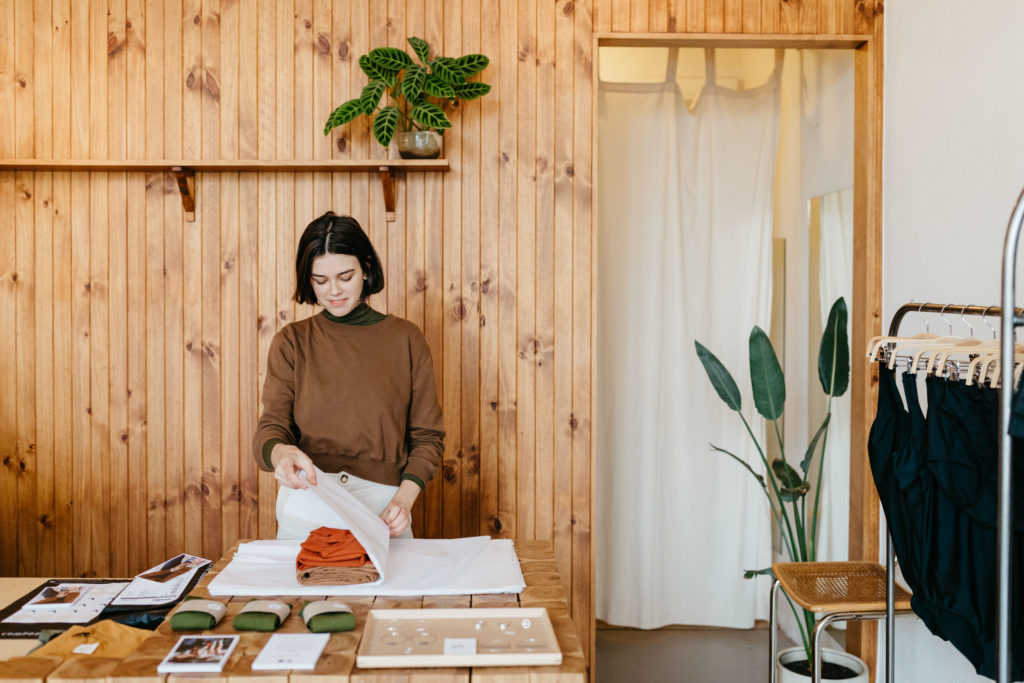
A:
<point x="288" y="461"/>
<point x="397" y="513"/>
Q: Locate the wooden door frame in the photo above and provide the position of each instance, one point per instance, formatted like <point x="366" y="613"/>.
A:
<point x="866" y="305"/>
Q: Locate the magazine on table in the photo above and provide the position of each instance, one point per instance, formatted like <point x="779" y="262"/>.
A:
<point x="198" y="654"/>
<point x="166" y="582"/>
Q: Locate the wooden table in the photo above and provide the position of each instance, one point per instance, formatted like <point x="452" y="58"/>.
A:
<point x="543" y="589"/>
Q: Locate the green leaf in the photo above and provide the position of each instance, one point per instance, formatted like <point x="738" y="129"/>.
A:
<point x="412" y="82"/>
<point x="343" y="114"/>
<point x="371" y="95"/>
<point x="436" y="87"/>
<point x="751" y="573"/>
<point x="375" y="73"/>
<point x="448" y="69"/>
<point x="805" y="464"/>
<point x="472" y="64"/>
<point x="792" y="484"/>
<point x="390" y="59"/>
<point x="420" y="47"/>
<point x="384" y="125"/>
<point x="472" y="90"/>
<point x="766" y="376"/>
<point x="834" y="354"/>
<point x="760" y="479"/>
<point x="430" y="115"/>
<point x="720" y="378"/>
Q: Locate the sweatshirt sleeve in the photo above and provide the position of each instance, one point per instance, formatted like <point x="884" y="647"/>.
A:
<point x="277" y="423"/>
<point x="426" y="424"/>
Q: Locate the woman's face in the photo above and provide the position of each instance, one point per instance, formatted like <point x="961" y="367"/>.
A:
<point x="337" y="282"/>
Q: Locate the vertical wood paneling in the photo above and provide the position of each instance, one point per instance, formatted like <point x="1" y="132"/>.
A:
<point x="134" y="342"/>
<point x="582" y="594"/>
<point x="174" y="340"/>
<point x="43" y="303"/>
<point x="60" y="517"/>
<point x="526" y="280"/>
<point x="229" y="276"/>
<point x="101" y="20"/>
<point x="544" y="257"/>
<point x="467" y="309"/>
<point x="491" y="144"/>
<point x="564" y="171"/>
<point x="504" y="523"/>
<point x="250" y="236"/>
<point x="208" y="220"/>
<point x="191" y="249"/>
<point x="9" y="82"/>
<point x="451" y="472"/>
<point x="79" y="216"/>
<point x="24" y="268"/>
<point x="433" y="212"/>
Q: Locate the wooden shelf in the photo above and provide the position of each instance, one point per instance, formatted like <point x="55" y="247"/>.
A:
<point x="184" y="170"/>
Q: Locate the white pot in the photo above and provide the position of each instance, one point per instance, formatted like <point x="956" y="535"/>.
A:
<point x="827" y="655"/>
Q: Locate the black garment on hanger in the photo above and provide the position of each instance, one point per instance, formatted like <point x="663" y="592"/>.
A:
<point x="936" y="477"/>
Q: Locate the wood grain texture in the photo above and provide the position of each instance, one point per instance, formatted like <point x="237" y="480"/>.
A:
<point x="133" y="342"/>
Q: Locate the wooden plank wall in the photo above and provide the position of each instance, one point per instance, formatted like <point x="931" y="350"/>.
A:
<point x="133" y="343"/>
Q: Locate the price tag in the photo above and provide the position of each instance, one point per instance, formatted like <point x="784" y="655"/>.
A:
<point x="86" y="648"/>
<point x="460" y="646"/>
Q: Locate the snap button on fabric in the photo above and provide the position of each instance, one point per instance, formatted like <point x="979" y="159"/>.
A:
<point x="344" y="479"/>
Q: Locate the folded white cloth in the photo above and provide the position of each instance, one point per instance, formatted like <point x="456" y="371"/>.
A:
<point x="407" y="566"/>
<point x="416" y="566"/>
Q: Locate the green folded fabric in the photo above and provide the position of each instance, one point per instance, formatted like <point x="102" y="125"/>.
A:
<point x="329" y="621"/>
<point x="254" y="620"/>
<point x="185" y="619"/>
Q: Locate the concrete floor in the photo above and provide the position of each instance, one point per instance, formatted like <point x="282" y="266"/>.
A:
<point x="684" y="655"/>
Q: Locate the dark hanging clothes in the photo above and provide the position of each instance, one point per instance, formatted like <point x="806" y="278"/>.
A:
<point x="936" y="478"/>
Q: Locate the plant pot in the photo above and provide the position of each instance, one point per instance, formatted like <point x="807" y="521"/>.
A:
<point x="418" y="144"/>
<point x="794" y="654"/>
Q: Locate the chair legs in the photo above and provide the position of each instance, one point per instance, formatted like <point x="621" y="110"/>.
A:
<point x="772" y="623"/>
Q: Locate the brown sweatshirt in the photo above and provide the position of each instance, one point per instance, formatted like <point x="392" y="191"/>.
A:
<point x="358" y="398"/>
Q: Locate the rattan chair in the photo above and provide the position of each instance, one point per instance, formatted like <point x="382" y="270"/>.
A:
<point x="839" y="591"/>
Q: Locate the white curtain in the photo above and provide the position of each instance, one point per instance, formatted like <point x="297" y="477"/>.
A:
<point x="684" y="254"/>
<point x="836" y="280"/>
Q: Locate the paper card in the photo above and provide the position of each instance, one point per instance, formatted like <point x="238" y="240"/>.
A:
<point x="460" y="646"/>
<point x="199" y="654"/>
<point x="291" y="651"/>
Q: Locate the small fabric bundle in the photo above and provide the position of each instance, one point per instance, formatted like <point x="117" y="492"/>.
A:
<point x="327" y="616"/>
<point x="105" y="638"/>
<point x="261" y="615"/>
<point x="197" y="614"/>
<point x="333" y="557"/>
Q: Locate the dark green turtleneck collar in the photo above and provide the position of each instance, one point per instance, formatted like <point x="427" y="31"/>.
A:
<point x="360" y="315"/>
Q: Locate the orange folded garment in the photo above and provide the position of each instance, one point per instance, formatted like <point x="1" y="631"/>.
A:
<point x="333" y="557"/>
<point x="328" y="547"/>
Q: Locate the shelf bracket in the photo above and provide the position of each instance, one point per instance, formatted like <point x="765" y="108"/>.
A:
<point x="387" y="182"/>
<point x="186" y="178"/>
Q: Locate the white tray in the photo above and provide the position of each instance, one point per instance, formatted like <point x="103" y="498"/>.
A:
<point x="508" y="636"/>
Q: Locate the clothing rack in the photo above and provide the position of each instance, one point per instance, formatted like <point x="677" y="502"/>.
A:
<point x="1011" y="319"/>
<point x="1006" y="397"/>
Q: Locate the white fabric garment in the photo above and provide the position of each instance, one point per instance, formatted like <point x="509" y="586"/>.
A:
<point x="293" y="522"/>
<point x="684" y="254"/>
<point x="407" y="566"/>
<point x="836" y="280"/>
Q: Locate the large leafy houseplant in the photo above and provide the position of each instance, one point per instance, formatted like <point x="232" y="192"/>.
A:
<point x="786" y="489"/>
<point x="416" y="89"/>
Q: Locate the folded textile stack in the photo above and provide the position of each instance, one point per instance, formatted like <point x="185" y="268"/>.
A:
<point x="333" y="557"/>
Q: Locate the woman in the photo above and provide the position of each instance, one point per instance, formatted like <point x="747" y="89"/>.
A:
<point x="350" y="390"/>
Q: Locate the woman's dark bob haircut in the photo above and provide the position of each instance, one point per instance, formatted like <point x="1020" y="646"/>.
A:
<point x="331" y="234"/>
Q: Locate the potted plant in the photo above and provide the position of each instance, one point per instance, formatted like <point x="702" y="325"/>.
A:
<point x="787" y="490"/>
<point x="417" y="90"/>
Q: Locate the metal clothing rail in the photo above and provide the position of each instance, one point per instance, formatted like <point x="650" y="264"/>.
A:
<point x="1011" y="318"/>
